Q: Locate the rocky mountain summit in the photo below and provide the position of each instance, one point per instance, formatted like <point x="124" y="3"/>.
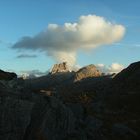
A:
<point x="55" y="107"/>
<point x="87" y="72"/>
<point x="61" y="74"/>
<point x="60" y="68"/>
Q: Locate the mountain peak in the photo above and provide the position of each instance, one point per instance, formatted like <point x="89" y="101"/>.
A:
<point x="59" y="68"/>
<point x="87" y="72"/>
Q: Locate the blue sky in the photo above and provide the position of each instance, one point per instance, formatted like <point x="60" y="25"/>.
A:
<point x="20" y="18"/>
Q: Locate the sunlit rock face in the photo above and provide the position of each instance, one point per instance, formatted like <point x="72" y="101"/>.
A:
<point x="59" y="68"/>
<point x="87" y="72"/>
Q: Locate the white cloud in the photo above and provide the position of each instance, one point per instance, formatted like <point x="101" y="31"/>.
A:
<point x="116" y="67"/>
<point x="32" y="74"/>
<point x="63" y="42"/>
<point x="61" y="56"/>
<point x="113" y="68"/>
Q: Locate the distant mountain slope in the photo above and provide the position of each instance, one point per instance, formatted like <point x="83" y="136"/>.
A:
<point x="7" y="75"/>
<point x="130" y="75"/>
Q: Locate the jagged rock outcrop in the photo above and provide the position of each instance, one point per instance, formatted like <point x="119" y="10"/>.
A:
<point x="7" y="75"/>
<point x="29" y="116"/>
<point x="15" y="116"/>
<point x="51" y="120"/>
<point x="60" y="68"/>
<point x="87" y="72"/>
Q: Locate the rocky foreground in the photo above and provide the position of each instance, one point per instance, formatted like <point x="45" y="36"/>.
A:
<point x="64" y="105"/>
